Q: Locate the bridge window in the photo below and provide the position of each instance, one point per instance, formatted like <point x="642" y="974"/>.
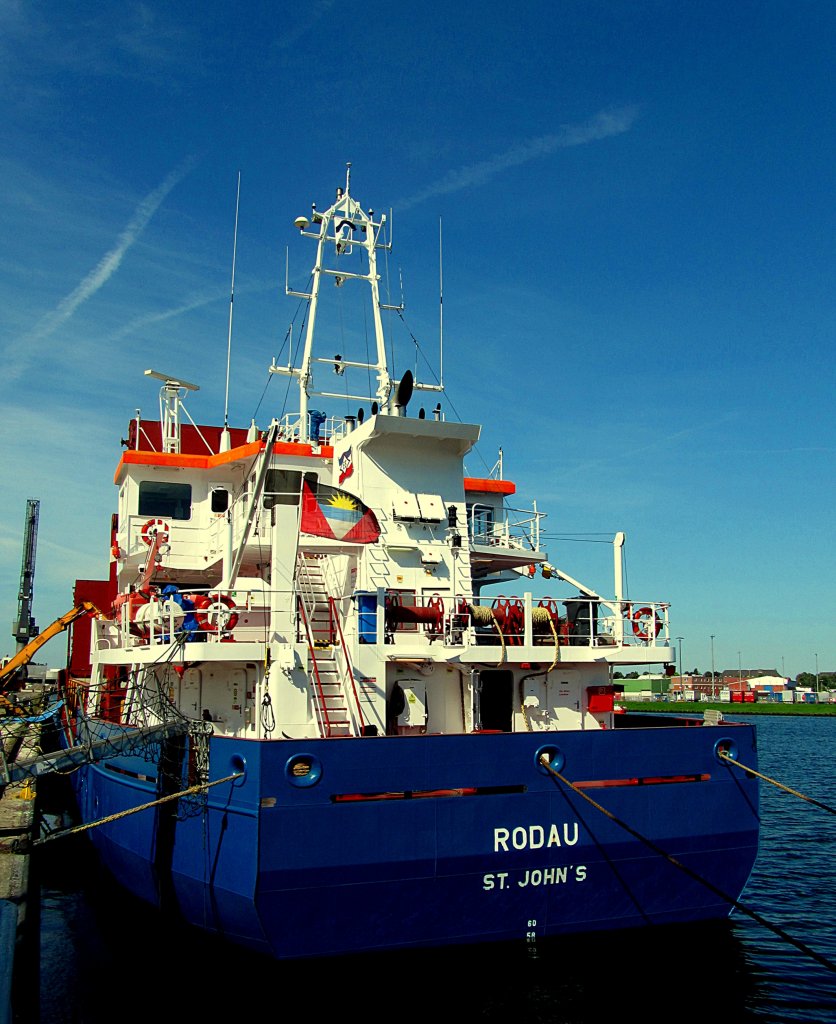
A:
<point x="168" y="501"/>
<point x="284" y="486"/>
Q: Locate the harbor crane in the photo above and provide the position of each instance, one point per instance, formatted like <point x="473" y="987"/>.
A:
<point x="24" y="628"/>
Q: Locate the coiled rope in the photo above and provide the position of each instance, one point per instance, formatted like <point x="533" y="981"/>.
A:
<point x="539" y="617"/>
<point x="692" y="874"/>
<point x="482" y="616"/>
<point x="191" y="791"/>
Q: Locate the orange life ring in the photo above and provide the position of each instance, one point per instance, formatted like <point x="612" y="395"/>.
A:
<point x="215" y="613"/>
<point x="638" y="629"/>
<point x="153" y="529"/>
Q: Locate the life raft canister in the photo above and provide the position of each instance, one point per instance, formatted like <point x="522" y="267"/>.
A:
<point x="135" y="600"/>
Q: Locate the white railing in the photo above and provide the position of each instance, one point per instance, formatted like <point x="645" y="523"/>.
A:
<point x="515" y="529"/>
<point x="423" y="623"/>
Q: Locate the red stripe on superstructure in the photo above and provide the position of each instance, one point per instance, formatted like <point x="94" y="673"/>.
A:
<point x="472" y="483"/>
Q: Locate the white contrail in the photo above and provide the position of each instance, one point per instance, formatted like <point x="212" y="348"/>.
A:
<point x="602" y="126"/>
<point x="103" y="271"/>
<point x="150" y="319"/>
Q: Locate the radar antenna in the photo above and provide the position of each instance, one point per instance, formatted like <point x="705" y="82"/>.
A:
<point x="170" y="407"/>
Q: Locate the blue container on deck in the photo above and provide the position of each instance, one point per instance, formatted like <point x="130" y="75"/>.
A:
<point x="367" y="612"/>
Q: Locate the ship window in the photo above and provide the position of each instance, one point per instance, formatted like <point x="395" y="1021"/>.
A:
<point x="169" y="501"/>
<point x="480" y="521"/>
<point x="220" y="499"/>
<point x="284" y="486"/>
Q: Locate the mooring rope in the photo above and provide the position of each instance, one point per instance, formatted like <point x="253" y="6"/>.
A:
<point x="539" y="616"/>
<point x="775" y="782"/>
<point x="483" y="616"/>
<point x="693" y="874"/>
<point x="191" y="791"/>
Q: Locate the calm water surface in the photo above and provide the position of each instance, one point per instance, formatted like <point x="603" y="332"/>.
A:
<point x="104" y="958"/>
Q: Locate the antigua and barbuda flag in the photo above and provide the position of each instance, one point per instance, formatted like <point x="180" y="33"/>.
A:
<point x="346" y="465"/>
<point x="333" y="513"/>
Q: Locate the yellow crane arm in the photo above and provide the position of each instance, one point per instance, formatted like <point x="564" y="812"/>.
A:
<point x="24" y="656"/>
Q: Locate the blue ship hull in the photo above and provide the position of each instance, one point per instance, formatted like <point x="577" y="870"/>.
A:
<point x="402" y="842"/>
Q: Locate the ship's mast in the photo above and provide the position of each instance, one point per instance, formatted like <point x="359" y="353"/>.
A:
<point x="346" y="227"/>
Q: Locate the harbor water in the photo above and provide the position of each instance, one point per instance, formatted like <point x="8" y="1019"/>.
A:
<point x="103" y="957"/>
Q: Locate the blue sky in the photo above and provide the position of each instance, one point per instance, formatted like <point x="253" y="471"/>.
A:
<point x="638" y="267"/>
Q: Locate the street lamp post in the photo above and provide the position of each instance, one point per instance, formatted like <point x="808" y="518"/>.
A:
<point x="681" y="683"/>
<point x="713" y="688"/>
<point x="739" y="672"/>
<point x="817" y="675"/>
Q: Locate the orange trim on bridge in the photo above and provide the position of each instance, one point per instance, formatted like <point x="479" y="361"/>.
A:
<point x="472" y="483"/>
<point x="244" y="451"/>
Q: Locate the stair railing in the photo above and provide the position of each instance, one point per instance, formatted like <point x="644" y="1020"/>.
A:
<point x="320" y="704"/>
<point x="305" y="583"/>
<point x="346" y="673"/>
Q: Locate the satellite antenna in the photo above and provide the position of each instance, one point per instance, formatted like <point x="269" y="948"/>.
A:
<point x="404" y="392"/>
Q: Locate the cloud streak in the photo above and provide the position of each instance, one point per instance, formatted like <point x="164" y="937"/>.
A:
<point x="101" y="273"/>
<point x="604" y="125"/>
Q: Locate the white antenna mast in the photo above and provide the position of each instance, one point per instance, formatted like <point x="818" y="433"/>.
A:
<point x="440" y="312"/>
<point x="225" y="440"/>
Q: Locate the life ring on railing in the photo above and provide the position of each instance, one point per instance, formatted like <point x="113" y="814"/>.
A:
<point x="215" y="613"/>
<point x="639" y="629"/>
<point x="153" y="529"/>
